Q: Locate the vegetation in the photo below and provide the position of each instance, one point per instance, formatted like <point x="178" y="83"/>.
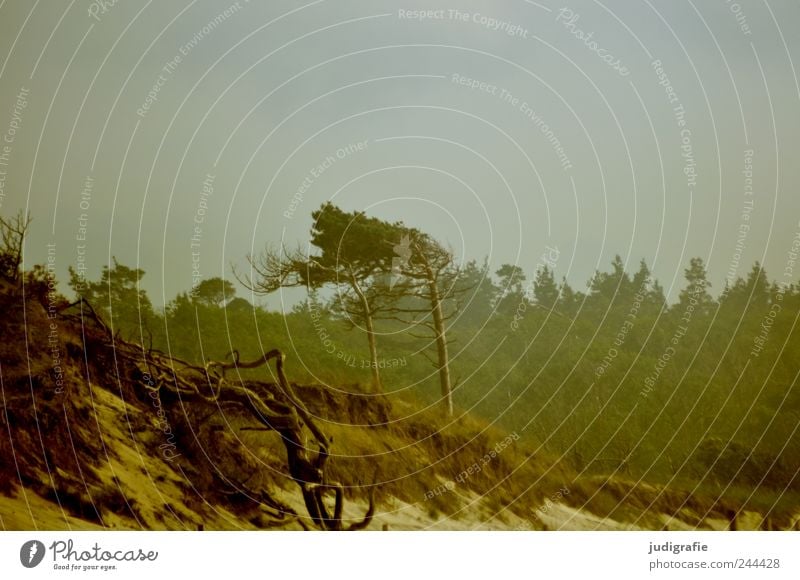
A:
<point x="613" y="384"/>
<point x="614" y="378"/>
<point x="12" y="235"/>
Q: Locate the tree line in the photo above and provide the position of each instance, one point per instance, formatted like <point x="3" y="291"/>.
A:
<point x="613" y="376"/>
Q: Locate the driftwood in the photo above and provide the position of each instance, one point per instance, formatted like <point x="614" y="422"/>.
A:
<point x="306" y="469"/>
<point x="280" y="411"/>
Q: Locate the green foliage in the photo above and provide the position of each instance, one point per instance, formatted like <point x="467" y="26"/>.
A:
<point x="545" y="291"/>
<point x="616" y="380"/>
<point x="118" y="297"/>
<point x="213" y="292"/>
<point x="733" y="463"/>
<point x="511" y="279"/>
<point x="352" y="242"/>
<point x="695" y="294"/>
<point x="12" y="237"/>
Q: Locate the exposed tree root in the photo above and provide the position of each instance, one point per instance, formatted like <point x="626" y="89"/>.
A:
<point x="276" y="407"/>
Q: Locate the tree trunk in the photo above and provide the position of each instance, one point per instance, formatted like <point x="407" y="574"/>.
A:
<point x="373" y="353"/>
<point x="441" y="344"/>
<point x="373" y="343"/>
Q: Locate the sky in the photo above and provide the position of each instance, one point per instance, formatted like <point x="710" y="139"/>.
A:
<point x="182" y="136"/>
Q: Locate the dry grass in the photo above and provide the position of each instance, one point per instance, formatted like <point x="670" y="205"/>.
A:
<point x="95" y="451"/>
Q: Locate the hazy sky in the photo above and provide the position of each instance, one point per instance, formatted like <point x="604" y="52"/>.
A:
<point x="581" y="143"/>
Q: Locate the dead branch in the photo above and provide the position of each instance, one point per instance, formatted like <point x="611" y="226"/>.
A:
<point x="276" y="407"/>
<point x="12" y="237"/>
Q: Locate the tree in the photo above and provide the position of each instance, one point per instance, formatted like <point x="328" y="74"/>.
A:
<point x="12" y="237"/>
<point x="355" y="254"/>
<point x="696" y="294"/>
<point x="213" y="292"/>
<point x="609" y="286"/>
<point x="511" y="282"/>
<point x="433" y="278"/>
<point x="475" y="283"/>
<point x="569" y="301"/>
<point x="545" y="289"/>
<point x="239" y="306"/>
<point x="509" y="290"/>
<point x="642" y="279"/>
<point x="118" y="296"/>
<point x="758" y="287"/>
<point x="657" y="296"/>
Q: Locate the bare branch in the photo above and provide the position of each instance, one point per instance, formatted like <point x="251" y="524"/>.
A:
<point x="275" y="269"/>
<point x="275" y="407"/>
<point x="12" y="236"/>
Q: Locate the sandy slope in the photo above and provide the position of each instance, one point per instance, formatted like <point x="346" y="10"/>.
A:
<point x="157" y="495"/>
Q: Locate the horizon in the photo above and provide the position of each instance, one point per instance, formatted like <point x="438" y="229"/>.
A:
<point x="462" y="122"/>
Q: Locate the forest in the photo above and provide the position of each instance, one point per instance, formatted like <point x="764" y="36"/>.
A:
<point x="697" y="394"/>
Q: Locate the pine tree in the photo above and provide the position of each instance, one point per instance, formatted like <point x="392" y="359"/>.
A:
<point x="696" y="294"/>
<point x="545" y="290"/>
<point x="118" y="296"/>
<point x="569" y="301"/>
<point x="511" y="282"/>
<point x="757" y="287"/>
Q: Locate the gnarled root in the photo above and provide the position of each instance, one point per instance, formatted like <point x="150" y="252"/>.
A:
<point x="278" y="409"/>
<point x="314" y="497"/>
